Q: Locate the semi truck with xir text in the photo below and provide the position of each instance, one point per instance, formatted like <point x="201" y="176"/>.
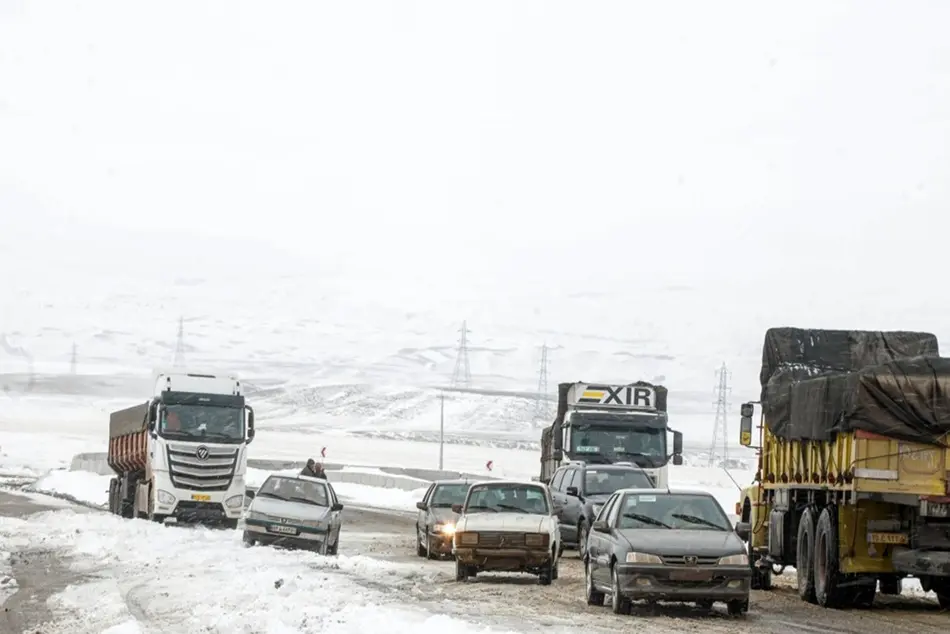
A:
<point x="851" y="487"/>
<point x="598" y="423"/>
<point x="181" y="456"/>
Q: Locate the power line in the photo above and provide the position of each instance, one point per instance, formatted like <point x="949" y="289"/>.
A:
<point x="541" y="405"/>
<point x="179" y="361"/>
<point x="462" y="375"/>
<point x="720" y="427"/>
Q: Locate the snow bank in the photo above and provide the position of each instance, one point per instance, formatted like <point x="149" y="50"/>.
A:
<point x="80" y="486"/>
<point x="378" y="497"/>
<point x="8" y="585"/>
<point x="171" y="579"/>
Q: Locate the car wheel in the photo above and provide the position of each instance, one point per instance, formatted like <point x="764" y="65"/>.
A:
<point x="705" y="604"/>
<point x="594" y="596"/>
<point x="738" y="608"/>
<point x="554" y="572"/>
<point x="547" y="574"/>
<point x="461" y="571"/>
<point x="248" y="540"/>
<point x="583" y="531"/>
<point x="420" y="548"/>
<point x="619" y="603"/>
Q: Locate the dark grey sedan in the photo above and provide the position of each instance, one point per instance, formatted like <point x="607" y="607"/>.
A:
<point x="661" y="545"/>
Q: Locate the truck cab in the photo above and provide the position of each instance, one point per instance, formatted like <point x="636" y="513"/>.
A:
<point x="607" y="424"/>
<point x="198" y="429"/>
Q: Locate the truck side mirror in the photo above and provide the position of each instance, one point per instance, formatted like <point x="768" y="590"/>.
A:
<point x="250" y="423"/>
<point x="677" y="460"/>
<point x="677" y="443"/>
<point x="745" y="424"/>
<point x="558" y="455"/>
<point x="152" y="419"/>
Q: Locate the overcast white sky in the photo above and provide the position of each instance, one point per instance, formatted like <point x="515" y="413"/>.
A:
<point x="632" y="136"/>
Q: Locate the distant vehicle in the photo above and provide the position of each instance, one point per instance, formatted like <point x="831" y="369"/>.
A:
<point x="579" y="491"/>
<point x="180" y="457"/>
<point x="603" y="424"/>
<point x="435" y="523"/>
<point x="669" y="546"/>
<point x="295" y="512"/>
<point x="507" y="526"/>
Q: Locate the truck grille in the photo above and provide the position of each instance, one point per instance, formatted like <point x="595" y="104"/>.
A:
<point x="493" y="539"/>
<point x="700" y="561"/>
<point x="212" y="473"/>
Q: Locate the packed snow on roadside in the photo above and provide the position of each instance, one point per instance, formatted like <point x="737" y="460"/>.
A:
<point x="8" y="585"/>
<point x="84" y="487"/>
<point x="152" y="577"/>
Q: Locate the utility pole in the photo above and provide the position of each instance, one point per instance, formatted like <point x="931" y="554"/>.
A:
<point x="441" y="428"/>
<point x="540" y="408"/>
<point x="462" y="375"/>
<point x="73" y="360"/>
<point x="179" y="361"/>
<point x="720" y="427"/>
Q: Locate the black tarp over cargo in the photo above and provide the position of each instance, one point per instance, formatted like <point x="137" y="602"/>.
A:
<point x="907" y="399"/>
<point x="816" y="382"/>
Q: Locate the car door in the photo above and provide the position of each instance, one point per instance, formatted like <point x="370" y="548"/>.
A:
<point x="573" y="506"/>
<point x="422" y="517"/>
<point x="557" y="498"/>
<point x="600" y="545"/>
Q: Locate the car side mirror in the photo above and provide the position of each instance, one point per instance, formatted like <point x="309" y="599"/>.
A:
<point x="744" y="530"/>
<point x="421" y="506"/>
<point x="573" y="492"/>
<point x="250" y="494"/>
<point x="457" y="508"/>
<point x="337" y="507"/>
<point x="745" y="424"/>
<point x="677" y="460"/>
<point x="600" y="526"/>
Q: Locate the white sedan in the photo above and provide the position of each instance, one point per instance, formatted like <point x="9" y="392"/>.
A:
<point x="295" y="512"/>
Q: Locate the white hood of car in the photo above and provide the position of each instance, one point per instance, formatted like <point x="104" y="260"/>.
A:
<point x="515" y="522"/>
<point x="287" y="509"/>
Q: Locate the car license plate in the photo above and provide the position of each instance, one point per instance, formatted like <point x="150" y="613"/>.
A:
<point x="200" y="498"/>
<point x="887" y="538"/>
<point x="692" y="574"/>
<point x="286" y="530"/>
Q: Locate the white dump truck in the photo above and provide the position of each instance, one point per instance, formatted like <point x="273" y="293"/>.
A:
<point x="181" y="457"/>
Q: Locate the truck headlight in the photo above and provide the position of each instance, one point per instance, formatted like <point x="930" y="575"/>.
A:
<point x="643" y="558"/>
<point x="734" y="560"/>
<point x="164" y="497"/>
<point x="235" y="501"/>
<point x="445" y="529"/>
<point x="535" y="539"/>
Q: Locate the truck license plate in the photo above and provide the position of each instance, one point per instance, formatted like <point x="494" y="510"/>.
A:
<point x="200" y="498"/>
<point x="691" y="575"/>
<point x="887" y="538"/>
<point x="286" y="530"/>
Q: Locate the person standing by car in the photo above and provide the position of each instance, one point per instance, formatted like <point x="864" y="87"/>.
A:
<point x="313" y="469"/>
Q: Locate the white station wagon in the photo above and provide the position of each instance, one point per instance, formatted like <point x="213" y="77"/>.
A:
<point x="507" y="526"/>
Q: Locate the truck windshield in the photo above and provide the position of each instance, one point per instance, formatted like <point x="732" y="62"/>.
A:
<point x="646" y="447"/>
<point x="203" y="423"/>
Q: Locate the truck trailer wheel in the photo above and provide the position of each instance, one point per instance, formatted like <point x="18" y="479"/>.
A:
<point x="827" y="576"/>
<point x="805" y="555"/>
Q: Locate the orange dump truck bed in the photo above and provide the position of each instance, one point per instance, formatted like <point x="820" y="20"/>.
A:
<point x="128" y="439"/>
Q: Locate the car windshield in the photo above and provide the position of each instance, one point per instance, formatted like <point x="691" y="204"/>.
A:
<point x="677" y="511"/>
<point x="206" y="423"/>
<point x="507" y="498"/>
<point x="294" y="490"/>
<point x="605" y="482"/>
<point x="445" y="495"/>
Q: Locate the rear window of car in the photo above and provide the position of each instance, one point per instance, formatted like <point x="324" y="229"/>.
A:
<point x="606" y="481"/>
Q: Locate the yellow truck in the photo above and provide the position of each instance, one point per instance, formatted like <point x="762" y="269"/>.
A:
<point x="851" y="487"/>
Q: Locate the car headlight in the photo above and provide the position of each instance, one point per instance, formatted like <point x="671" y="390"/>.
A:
<point x="235" y="501"/>
<point x="445" y="529"/>
<point x="164" y="497"/>
<point x="251" y="515"/>
<point x="536" y="539"/>
<point x="466" y="539"/>
<point x="734" y="560"/>
<point x="643" y="558"/>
